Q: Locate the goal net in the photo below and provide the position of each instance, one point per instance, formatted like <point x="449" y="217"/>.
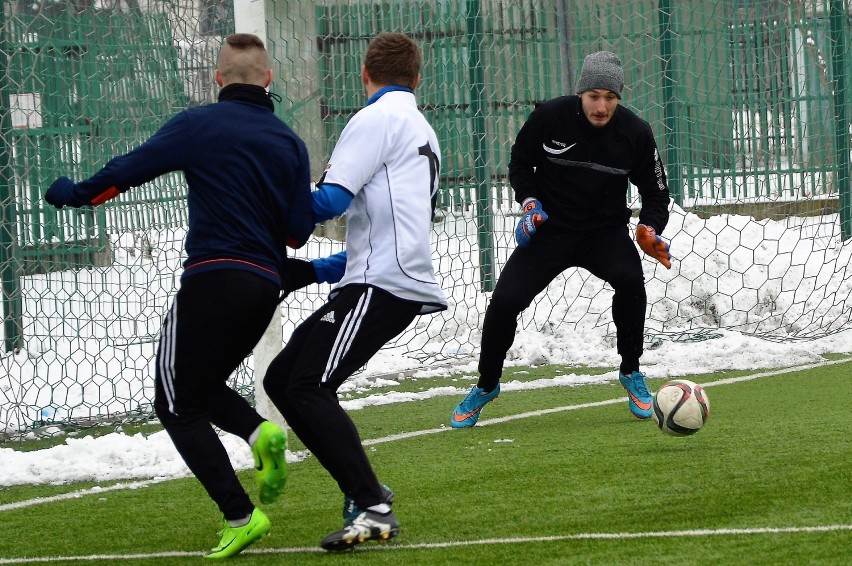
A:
<point x="749" y="103"/>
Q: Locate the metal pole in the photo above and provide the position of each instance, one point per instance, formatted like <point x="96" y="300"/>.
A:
<point x="485" y="220"/>
<point x="563" y="21"/>
<point x="250" y="17"/>
<point x="838" y="18"/>
<point x="9" y="272"/>
<point x="672" y="138"/>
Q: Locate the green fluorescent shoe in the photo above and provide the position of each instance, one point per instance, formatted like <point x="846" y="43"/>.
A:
<point x="269" y="461"/>
<point x="235" y="539"/>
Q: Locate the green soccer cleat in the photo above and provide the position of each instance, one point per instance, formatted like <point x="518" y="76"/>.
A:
<point x="235" y="539"/>
<point x="270" y="462"/>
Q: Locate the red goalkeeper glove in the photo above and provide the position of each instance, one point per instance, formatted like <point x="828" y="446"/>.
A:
<point x="653" y="245"/>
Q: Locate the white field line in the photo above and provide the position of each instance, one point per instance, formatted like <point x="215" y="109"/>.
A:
<point x="413" y="434"/>
<point x="540" y="412"/>
<point x="81" y="493"/>
<point x="448" y="544"/>
<point x="416" y="433"/>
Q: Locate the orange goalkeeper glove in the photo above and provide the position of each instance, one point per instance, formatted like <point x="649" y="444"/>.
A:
<point x="653" y="245"/>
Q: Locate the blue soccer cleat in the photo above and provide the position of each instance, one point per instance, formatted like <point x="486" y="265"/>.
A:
<point x="467" y="412"/>
<point x="639" y="398"/>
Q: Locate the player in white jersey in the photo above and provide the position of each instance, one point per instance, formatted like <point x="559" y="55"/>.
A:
<point x="383" y="173"/>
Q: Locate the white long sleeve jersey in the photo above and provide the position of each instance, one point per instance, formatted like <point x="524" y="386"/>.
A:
<point x="388" y="157"/>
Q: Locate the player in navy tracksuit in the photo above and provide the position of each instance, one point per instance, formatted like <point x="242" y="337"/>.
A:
<point x="248" y="180"/>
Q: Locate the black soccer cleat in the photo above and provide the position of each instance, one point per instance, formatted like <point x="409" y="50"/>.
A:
<point x="350" y="510"/>
<point x="369" y="525"/>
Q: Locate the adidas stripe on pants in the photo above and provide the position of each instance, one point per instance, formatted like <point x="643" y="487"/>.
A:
<point x="327" y="348"/>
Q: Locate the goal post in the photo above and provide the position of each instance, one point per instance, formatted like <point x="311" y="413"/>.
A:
<point x="250" y="17"/>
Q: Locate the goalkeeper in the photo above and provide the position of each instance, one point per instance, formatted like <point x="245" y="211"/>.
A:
<point x="570" y="167"/>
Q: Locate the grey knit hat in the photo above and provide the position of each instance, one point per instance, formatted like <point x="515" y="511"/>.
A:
<point x="601" y="69"/>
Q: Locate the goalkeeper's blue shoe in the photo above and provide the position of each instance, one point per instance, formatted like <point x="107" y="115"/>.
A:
<point x="350" y="510"/>
<point x="467" y="412"/>
<point x="236" y="539"/>
<point x="639" y="399"/>
<point x="270" y="461"/>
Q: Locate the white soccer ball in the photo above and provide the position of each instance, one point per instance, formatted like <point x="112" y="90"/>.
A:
<point x="681" y="407"/>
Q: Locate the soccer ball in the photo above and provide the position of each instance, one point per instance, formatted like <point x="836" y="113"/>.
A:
<point x="681" y="407"/>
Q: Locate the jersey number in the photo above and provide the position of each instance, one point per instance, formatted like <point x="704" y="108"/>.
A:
<point x="434" y="169"/>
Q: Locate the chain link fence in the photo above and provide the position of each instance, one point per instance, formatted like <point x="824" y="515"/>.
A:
<point x="750" y="103"/>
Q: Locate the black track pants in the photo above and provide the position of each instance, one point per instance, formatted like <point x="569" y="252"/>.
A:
<point x="608" y="254"/>
<point x="321" y="354"/>
<point x="213" y="324"/>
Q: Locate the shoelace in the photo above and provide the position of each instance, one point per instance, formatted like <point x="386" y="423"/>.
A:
<point x="359" y="529"/>
<point x="474" y="394"/>
<point x="642" y="388"/>
<point x="361" y="526"/>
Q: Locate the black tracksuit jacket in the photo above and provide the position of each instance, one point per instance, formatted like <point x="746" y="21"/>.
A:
<point x="580" y="173"/>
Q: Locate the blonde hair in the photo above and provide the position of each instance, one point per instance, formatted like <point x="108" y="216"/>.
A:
<point x="243" y="59"/>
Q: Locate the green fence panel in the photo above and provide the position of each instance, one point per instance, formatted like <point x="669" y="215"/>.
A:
<point x="750" y="84"/>
<point x="88" y="86"/>
<point x="45" y="61"/>
<point x="522" y="57"/>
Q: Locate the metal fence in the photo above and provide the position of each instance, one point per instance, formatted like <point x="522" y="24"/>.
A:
<point x="749" y="100"/>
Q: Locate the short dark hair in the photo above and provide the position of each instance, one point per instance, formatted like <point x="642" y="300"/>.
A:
<point x="244" y="41"/>
<point x="393" y="58"/>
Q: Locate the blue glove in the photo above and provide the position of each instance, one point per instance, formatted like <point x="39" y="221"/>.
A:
<point x="299" y="273"/>
<point x="533" y="216"/>
<point x="61" y="193"/>
<point x="330" y="269"/>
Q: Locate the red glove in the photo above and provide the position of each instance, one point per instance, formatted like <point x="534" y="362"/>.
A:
<point x="653" y="245"/>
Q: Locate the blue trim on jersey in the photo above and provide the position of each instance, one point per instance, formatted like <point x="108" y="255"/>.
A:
<point x="330" y="269"/>
<point x="329" y="201"/>
<point x="384" y="89"/>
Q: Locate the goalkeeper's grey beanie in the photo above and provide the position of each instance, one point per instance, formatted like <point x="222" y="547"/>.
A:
<point x="601" y="69"/>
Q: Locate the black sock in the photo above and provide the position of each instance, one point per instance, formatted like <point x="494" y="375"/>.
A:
<point x="627" y="369"/>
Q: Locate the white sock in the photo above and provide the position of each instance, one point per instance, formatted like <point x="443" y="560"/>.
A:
<point x="381" y="508"/>
<point x="253" y="436"/>
<point x="240" y="522"/>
